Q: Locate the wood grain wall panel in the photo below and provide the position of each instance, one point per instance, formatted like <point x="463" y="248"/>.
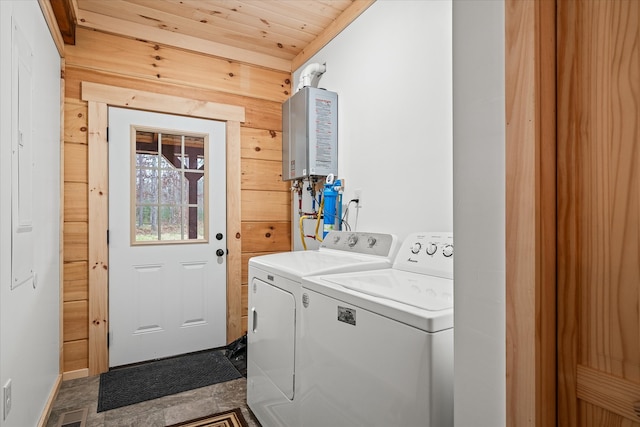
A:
<point x="245" y="299"/>
<point x="75" y="162"/>
<point x="76" y="354"/>
<point x="266" y="236"/>
<point x="151" y="61"/>
<point x="76" y="290"/>
<point x="595" y="416"/>
<point x="245" y="262"/>
<point x="135" y="64"/>
<point x="261" y="144"/>
<point x="265" y="206"/>
<point x="245" y="265"/>
<point x="259" y="113"/>
<point x="76" y="320"/>
<point x="76" y="281"/>
<point x="616" y="394"/>
<point x="75" y="202"/>
<point x="75" y="121"/>
<point x="76" y="241"/>
<point x="598" y="212"/>
<point x="76" y="271"/>
<point x="262" y="175"/>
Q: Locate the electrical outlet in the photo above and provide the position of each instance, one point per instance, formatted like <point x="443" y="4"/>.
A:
<point x="6" y="398"/>
<point x="358" y="196"/>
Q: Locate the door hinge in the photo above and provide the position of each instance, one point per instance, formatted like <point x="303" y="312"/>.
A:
<point x="107" y="237"/>
<point x="107" y="133"/>
<point x="108" y="339"/>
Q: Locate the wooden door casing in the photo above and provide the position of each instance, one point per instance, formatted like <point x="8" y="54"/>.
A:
<point x="598" y="184"/>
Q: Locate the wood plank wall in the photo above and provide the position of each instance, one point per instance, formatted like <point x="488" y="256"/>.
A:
<point x="118" y="61"/>
<point x="598" y="104"/>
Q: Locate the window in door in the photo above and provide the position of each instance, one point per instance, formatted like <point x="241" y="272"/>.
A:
<point x="170" y="187"/>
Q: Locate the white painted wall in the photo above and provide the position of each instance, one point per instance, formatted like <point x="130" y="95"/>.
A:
<point x="479" y="212"/>
<point x="29" y="318"/>
<point x="391" y="69"/>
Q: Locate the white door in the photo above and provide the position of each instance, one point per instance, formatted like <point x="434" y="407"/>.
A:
<point x="167" y="243"/>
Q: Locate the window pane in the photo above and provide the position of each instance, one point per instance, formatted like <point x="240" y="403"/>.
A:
<point x="146" y="223"/>
<point x="194" y="152"/>
<point x="146" y="142"/>
<point x="171" y="223"/>
<point x="193" y="222"/>
<point x="201" y="190"/>
<point x="145" y="160"/>
<point x="146" y="186"/>
<point x="172" y="150"/>
<point x="200" y="221"/>
<point x="170" y="187"/>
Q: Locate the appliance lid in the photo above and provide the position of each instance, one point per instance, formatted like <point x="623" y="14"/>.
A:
<point x="418" y="300"/>
<point x="302" y="263"/>
<point x="418" y="290"/>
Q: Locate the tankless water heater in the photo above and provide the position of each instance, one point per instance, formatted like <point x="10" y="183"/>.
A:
<point x="310" y="134"/>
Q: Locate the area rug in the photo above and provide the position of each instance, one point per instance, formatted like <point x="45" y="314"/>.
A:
<point x="134" y="384"/>
<point x="232" y="418"/>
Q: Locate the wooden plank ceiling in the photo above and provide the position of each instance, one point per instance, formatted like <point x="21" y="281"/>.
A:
<point x="278" y="34"/>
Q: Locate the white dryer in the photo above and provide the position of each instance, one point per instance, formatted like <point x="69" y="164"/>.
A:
<point x="377" y="346"/>
<point x="274" y="315"/>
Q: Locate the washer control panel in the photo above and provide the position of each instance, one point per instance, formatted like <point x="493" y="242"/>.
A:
<point x="427" y="253"/>
<point x="378" y="244"/>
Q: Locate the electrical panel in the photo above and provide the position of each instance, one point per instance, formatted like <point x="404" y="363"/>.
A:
<point x="310" y="134"/>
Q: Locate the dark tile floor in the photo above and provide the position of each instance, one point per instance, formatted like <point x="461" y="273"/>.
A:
<point x="83" y="393"/>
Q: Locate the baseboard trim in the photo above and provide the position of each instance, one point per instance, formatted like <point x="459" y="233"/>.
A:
<point x="52" y="398"/>
<point x="72" y="375"/>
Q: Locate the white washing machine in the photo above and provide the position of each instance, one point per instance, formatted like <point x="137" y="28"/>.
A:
<point x="377" y="346"/>
<point x="274" y="315"/>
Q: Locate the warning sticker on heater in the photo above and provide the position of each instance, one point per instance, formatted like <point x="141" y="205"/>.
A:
<point x="347" y="315"/>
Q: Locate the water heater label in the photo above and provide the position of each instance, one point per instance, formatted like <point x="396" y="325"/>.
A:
<point x="324" y="132"/>
<point x="347" y="315"/>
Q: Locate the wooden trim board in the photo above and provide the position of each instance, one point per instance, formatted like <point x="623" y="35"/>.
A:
<point x="141" y="100"/>
<point x="99" y="98"/>
<point x="78" y="373"/>
<point x="98" y="250"/>
<point x="52" y="23"/>
<point x="44" y="417"/>
<point x="234" y="227"/>
<point x="530" y="213"/>
<point x="61" y="224"/>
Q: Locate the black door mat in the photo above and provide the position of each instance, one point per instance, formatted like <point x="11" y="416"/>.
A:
<point x="134" y="384"/>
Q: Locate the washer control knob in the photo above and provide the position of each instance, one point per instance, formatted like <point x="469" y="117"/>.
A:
<point x="416" y="247"/>
<point x="371" y="241"/>
<point x="336" y="239"/>
<point x="431" y="248"/>
<point x="353" y="239"/>
<point x="447" y="251"/>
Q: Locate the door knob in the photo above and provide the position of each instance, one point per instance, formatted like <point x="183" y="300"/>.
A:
<point x="220" y="252"/>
